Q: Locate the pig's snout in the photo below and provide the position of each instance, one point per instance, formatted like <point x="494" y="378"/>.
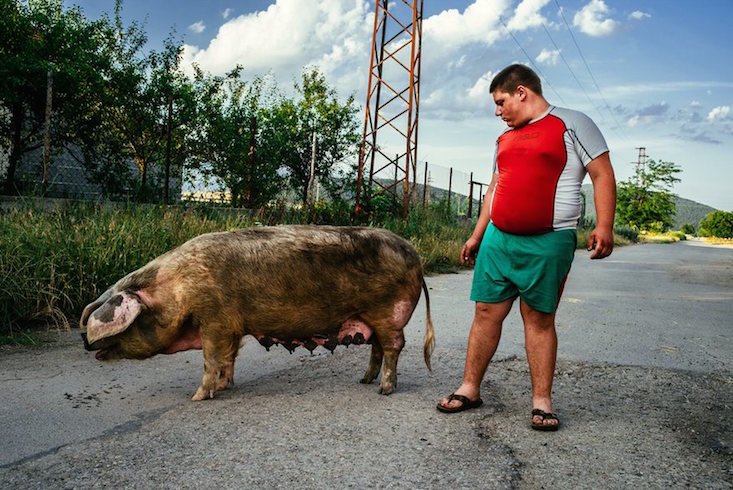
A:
<point x="86" y="342"/>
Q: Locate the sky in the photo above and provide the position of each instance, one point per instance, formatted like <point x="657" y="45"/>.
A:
<point x="653" y="74"/>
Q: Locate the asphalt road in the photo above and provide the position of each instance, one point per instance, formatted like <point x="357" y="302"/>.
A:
<point x="643" y="389"/>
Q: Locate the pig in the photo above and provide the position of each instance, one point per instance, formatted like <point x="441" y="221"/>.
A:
<point x="295" y="286"/>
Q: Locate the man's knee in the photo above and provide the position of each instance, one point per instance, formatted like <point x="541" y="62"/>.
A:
<point x="493" y="312"/>
<point x="537" y="319"/>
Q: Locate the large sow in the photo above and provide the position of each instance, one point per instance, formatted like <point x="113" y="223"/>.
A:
<point x="292" y="285"/>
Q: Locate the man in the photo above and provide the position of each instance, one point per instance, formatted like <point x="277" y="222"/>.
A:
<point x="524" y="241"/>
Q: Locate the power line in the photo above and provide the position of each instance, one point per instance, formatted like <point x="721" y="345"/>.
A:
<point x="547" y="81"/>
<point x="571" y="70"/>
<point x="590" y="72"/>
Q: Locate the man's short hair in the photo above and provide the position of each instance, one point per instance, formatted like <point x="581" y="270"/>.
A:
<point x="508" y="79"/>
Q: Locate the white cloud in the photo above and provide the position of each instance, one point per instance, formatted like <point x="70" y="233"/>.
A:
<point x="719" y="113"/>
<point x="197" y="27"/>
<point x="548" y="56"/>
<point x="290" y="34"/>
<point x="695" y="104"/>
<point x="227" y="12"/>
<point x="335" y="36"/>
<point x="527" y="14"/>
<point x="479" y="93"/>
<point x="479" y="22"/>
<point x="593" y="19"/>
<point x="639" y="15"/>
<point x="651" y="114"/>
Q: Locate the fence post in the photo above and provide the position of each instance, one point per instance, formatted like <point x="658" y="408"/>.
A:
<point x="251" y="174"/>
<point x="470" y="197"/>
<point x="169" y="130"/>
<point x="450" y="183"/>
<point x="480" y="198"/>
<point x="47" y="135"/>
<point x="425" y="185"/>
<point x="396" y="167"/>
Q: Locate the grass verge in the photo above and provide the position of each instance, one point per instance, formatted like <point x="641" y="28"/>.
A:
<point x="54" y="263"/>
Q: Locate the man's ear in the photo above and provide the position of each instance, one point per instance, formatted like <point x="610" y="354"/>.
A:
<point x="521" y="92"/>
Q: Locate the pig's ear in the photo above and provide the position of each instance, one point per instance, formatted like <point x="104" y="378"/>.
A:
<point x="113" y="316"/>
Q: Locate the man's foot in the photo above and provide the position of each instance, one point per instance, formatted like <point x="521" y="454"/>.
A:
<point x="546" y="421"/>
<point x="446" y="405"/>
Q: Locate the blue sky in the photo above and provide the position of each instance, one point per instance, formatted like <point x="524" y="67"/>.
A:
<point x="657" y="74"/>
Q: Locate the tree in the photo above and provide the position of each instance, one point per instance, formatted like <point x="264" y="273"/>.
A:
<point x="224" y="142"/>
<point x="147" y="99"/>
<point x="290" y="127"/>
<point x="47" y="49"/>
<point x="645" y="201"/>
<point x="717" y="224"/>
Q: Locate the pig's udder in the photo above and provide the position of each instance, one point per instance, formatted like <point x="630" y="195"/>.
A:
<point x="189" y="339"/>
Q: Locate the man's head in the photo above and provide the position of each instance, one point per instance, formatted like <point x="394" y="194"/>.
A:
<point x="517" y="93"/>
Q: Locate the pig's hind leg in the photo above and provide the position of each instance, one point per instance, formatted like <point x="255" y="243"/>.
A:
<point x="375" y="362"/>
<point x="392" y="341"/>
<point x="220" y="351"/>
<point x="386" y="348"/>
<point x="388" y="328"/>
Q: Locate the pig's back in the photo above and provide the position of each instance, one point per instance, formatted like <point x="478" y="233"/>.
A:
<point x="308" y="278"/>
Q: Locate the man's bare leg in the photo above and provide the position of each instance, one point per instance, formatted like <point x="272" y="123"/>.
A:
<point x="540" y="341"/>
<point x="483" y="340"/>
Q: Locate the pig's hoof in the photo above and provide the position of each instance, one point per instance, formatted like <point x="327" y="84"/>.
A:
<point x="202" y="394"/>
<point x="386" y="389"/>
<point x="223" y="384"/>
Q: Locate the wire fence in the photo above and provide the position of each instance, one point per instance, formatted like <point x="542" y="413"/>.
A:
<point x="67" y="177"/>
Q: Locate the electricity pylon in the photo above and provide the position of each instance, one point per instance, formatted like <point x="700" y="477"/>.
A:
<point x="393" y="95"/>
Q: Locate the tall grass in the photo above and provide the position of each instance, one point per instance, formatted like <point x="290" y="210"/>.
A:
<point x="54" y="263"/>
<point x="436" y="233"/>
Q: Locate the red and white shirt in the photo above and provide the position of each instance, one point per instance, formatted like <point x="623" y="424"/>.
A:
<point x="540" y="168"/>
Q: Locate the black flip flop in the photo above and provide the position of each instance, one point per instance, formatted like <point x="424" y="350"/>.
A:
<point x="545" y="416"/>
<point x="466" y="404"/>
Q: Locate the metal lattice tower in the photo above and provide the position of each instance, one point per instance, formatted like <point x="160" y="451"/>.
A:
<point x="640" y="163"/>
<point x="393" y="94"/>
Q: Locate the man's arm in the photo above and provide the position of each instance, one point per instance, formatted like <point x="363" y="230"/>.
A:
<point x="470" y="249"/>
<point x="604" y="190"/>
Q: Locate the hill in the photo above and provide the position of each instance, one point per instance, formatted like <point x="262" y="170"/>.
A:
<point x="688" y="211"/>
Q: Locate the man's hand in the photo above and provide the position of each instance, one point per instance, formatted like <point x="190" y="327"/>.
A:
<point x="600" y="242"/>
<point x="604" y="186"/>
<point x="469" y="251"/>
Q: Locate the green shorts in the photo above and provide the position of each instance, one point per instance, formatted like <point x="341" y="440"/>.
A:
<point x="533" y="267"/>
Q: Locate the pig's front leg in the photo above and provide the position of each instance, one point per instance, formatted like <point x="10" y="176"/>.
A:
<point x="220" y="352"/>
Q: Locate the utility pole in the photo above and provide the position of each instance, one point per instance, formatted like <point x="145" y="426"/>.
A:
<point x="312" y="173"/>
<point x="640" y="164"/>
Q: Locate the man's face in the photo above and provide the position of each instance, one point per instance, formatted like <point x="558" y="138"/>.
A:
<point x="509" y="107"/>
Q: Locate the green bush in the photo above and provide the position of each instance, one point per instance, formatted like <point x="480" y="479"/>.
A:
<point x="717" y="224"/>
<point x="688" y="229"/>
<point x="630" y="233"/>
<point x="680" y="235"/>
